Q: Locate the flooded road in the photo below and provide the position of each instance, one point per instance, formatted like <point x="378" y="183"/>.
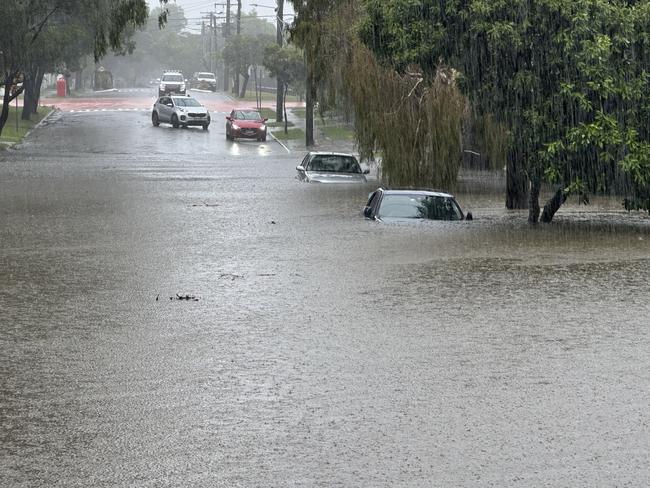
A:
<point x="324" y="350"/>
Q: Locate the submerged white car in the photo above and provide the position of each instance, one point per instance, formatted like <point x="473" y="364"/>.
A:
<point x="180" y="111"/>
<point x="329" y="167"/>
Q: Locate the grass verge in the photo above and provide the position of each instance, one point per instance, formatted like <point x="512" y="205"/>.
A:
<point x="299" y="112"/>
<point x="11" y="134"/>
<point x="291" y="135"/>
<point x="267" y="97"/>
<point x="337" y="133"/>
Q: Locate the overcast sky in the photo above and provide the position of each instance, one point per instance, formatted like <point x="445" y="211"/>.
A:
<point x="194" y="8"/>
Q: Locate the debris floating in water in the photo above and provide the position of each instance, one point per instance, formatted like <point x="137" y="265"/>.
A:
<point x="190" y="298"/>
<point x="232" y="276"/>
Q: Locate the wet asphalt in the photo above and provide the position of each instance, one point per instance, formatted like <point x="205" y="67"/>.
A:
<point x="322" y="349"/>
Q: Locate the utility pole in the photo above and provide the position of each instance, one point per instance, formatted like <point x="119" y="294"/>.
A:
<point x="279" y="99"/>
<point x="226" y="34"/>
<point x="236" y="73"/>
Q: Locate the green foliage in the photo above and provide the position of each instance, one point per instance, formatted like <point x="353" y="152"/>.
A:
<point x="567" y="79"/>
<point x="156" y="49"/>
<point x="287" y="64"/>
<point x="243" y="51"/>
<point x="412" y="117"/>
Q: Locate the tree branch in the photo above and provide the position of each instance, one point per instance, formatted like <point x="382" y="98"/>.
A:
<point x="39" y="27"/>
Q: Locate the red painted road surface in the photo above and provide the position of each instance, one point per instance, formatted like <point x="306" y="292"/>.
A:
<point x="143" y="103"/>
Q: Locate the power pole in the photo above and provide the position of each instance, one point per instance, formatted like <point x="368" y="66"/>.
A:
<point x="236" y="73"/>
<point x="226" y="34"/>
<point x="279" y="100"/>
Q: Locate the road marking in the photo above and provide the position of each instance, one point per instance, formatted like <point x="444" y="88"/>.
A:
<point x="278" y="141"/>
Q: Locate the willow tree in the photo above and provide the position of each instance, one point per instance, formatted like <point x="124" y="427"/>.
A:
<point x="412" y="118"/>
<point x="566" y="79"/>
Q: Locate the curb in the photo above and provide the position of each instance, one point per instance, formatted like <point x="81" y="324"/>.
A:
<point x="10" y="145"/>
<point x="279" y="142"/>
<point x="39" y="124"/>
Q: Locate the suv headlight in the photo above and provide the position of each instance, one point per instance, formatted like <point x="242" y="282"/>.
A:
<point x="182" y="86"/>
<point x="262" y="127"/>
<point x="235" y="127"/>
<point x="162" y="86"/>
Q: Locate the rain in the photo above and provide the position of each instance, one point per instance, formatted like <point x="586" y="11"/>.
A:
<point x="188" y="299"/>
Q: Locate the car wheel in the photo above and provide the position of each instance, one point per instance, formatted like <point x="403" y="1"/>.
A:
<point x="264" y="138"/>
<point x="154" y="119"/>
<point x="205" y="126"/>
<point x="175" y="121"/>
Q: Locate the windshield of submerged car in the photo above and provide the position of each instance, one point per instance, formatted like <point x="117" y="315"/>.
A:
<point x="419" y="207"/>
<point x="186" y="102"/>
<point x="334" y="164"/>
<point x="208" y="76"/>
<point x="247" y="115"/>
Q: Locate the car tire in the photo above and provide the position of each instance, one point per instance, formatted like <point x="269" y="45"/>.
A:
<point x="154" y="119"/>
<point x="175" y="121"/>
<point x="264" y="138"/>
<point x="205" y="126"/>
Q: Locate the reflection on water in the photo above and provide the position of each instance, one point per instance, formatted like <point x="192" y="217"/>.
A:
<point x="324" y="349"/>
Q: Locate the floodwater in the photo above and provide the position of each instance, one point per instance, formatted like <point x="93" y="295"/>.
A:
<point x="323" y="350"/>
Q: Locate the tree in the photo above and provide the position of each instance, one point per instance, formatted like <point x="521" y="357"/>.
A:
<point x="23" y="24"/>
<point x="155" y="48"/>
<point x="567" y="80"/>
<point x="242" y="51"/>
<point x="562" y="85"/>
<point x="325" y="31"/>
<point x="287" y="65"/>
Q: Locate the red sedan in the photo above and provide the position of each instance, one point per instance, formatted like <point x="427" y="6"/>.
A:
<point x="246" y="124"/>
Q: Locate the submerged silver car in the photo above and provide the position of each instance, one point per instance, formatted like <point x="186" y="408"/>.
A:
<point x="329" y="167"/>
<point x="180" y="111"/>
<point x="403" y="205"/>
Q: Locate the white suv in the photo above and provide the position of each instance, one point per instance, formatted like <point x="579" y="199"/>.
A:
<point x="171" y="82"/>
<point x="182" y="111"/>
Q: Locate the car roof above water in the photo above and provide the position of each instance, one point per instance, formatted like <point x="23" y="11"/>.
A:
<point x="430" y="193"/>
<point x="330" y="153"/>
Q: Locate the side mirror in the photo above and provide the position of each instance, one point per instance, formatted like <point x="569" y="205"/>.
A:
<point x="265" y="119"/>
<point x="366" y="212"/>
<point x="228" y="117"/>
<point x="469" y="216"/>
<point x="300" y="168"/>
<point x="366" y="171"/>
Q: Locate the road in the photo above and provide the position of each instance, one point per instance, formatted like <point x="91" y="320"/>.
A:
<point x="323" y="350"/>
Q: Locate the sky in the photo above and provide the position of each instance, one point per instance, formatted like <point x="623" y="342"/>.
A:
<point x="194" y="8"/>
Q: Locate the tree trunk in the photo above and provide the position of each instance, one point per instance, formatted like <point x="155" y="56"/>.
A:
<point x="533" y="208"/>
<point x="516" y="183"/>
<point x="4" y="114"/>
<point x="309" y="113"/>
<point x="37" y="89"/>
<point x="244" y="87"/>
<point x="553" y="205"/>
<point x="284" y="106"/>
<point x="8" y="96"/>
<point x="30" y="101"/>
